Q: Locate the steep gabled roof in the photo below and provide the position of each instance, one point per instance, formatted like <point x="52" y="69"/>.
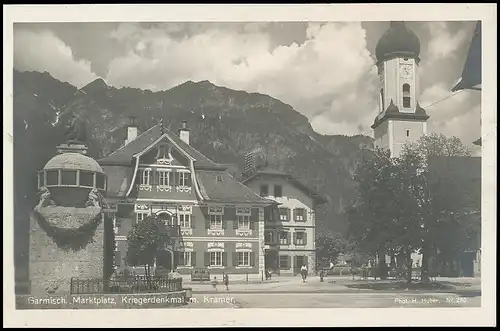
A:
<point x="319" y="198"/>
<point x="125" y="154"/>
<point x="220" y="186"/>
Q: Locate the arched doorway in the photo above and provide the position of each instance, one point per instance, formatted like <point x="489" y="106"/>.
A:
<point x="165" y="260"/>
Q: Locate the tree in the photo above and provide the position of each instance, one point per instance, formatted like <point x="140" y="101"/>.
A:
<point x="328" y="247"/>
<point x="373" y="217"/>
<point x="437" y="201"/>
<point x="147" y="238"/>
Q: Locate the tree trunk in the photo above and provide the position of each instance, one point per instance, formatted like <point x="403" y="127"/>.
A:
<point x="425" y="262"/>
<point x="382" y="265"/>
<point x="409" y="263"/>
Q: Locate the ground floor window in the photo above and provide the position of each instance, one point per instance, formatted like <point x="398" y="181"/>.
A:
<point x="216" y="259"/>
<point x="243" y="259"/>
<point x="185" y="259"/>
<point x="284" y="262"/>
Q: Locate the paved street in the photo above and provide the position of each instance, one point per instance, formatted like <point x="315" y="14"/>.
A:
<point x="291" y="292"/>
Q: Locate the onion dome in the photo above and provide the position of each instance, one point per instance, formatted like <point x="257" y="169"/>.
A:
<point x="397" y="41"/>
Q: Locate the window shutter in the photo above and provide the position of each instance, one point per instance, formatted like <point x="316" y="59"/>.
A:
<point x="176" y="178"/>
<point x="288" y="216"/>
<point x="193" y="259"/>
<point x="295" y="263"/>
<point x="288" y="238"/>
<point x="305" y="238"/>
<point x="295" y="238"/>
<point x="252" y="259"/>
<point x="235" y="223"/>
<point x="224" y="258"/>
<point x="289" y="262"/>
<point x="294" y="214"/>
<point x="191" y="217"/>
<point x="251" y="224"/>
<point x="189" y="183"/>
<point x="207" y="222"/>
<point x="224" y="221"/>
<point x="235" y="259"/>
<point x="156" y="177"/>
<point x="305" y="214"/>
<point x="207" y="259"/>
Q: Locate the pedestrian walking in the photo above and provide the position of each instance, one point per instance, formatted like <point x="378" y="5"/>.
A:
<point x="226" y="281"/>
<point x="214" y="283"/>
<point x="303" y="272"/>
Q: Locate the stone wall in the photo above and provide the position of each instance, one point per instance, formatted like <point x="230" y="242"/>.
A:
<point x="52" y="267"/>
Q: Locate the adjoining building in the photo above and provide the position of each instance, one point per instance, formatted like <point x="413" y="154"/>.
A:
<point x="290" y="231"/>
<point x="217" y="223"/>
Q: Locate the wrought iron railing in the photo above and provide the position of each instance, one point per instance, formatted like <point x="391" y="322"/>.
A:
<point x="135" y="284"/>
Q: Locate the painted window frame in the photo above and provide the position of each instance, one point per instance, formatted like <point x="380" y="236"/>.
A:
<point x="182" y="220"/>
<point x="142" y="176"/>
<point x="245" y="256"/>
<point x="217" y="255"/>
<point x="185" y="256"/>
<point x="243" y="222"/>
<point x="216" y="219"/>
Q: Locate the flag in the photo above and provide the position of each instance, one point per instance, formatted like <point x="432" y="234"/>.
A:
<point x="471" y="74"/>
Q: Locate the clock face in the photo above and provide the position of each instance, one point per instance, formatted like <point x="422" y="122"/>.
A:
<point x="406" y="70"/>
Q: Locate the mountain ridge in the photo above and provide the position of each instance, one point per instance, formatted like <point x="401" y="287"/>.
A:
<point x="223" y="122"/>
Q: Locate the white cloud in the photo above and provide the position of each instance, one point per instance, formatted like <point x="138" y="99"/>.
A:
<point x="42" y="51"/>
<point x="458" y="115"/>
<point x="443" y="43"/>
<point x="331" y="62"/>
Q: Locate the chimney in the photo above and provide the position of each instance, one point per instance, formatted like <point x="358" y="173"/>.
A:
<point x="131" y="130"/>
<point x="184" y="132"/>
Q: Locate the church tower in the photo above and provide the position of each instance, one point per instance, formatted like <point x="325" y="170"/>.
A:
<point x="400" y="119"/>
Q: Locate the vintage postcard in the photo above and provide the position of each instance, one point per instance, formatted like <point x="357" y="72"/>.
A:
<point x="198" y="165"/>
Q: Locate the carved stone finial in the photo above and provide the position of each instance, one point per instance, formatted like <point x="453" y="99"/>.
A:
<point x="93" y="199"/>
<point x="45" y="198"/>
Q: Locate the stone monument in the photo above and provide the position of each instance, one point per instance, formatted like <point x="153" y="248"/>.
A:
<point x="67" y="226"/>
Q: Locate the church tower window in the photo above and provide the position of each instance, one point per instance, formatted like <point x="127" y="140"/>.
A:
<point x="406" y="96"/>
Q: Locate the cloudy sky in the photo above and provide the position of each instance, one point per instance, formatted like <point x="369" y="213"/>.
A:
<point x="324" y="70"/>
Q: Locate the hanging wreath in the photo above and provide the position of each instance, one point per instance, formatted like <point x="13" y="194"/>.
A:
<point x="73" y="239"/>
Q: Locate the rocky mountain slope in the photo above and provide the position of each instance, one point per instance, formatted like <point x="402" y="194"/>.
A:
<point x="224" y="124"/>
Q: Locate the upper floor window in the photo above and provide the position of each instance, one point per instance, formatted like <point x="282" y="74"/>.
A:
<point x="145" y="177"/>
<point x="300" y="215"/>
<point x="243" y="222"/>
<point x="185" y="221"/>
<point x="284" y="238"/>
<point x="278" y="191"/>
<point x="164" y="152"/>
<point x="406" y="96"/>
<point x="269" y="237"/>
<point x="184" y="179"/>
<point x="284" y="214"/>
<point x="216" y="222"/>
<point x="163" y="178"/>
<point x="264" y="190"/>
<point x="300" y="238"/>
